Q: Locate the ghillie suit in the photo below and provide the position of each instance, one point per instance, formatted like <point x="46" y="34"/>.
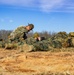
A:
<point x="2" y="43"/>
<point x="26" y="48"/>
<point x="71" y="39"/>
<point x="10" y="45"/>
<point x="37" y="45"/>
<point x="30" y="41"/>
<point x="38" y="37"/>
<point x="54" y="43"/>
<point x="43" y="45"/>
<point x="61" y="37"/>
<point x="21" y="45"/>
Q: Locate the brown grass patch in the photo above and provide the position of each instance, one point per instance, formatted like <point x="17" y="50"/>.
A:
<point x="18" y="69"/>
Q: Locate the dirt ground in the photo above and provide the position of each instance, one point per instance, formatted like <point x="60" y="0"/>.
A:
<point x="13" y="62"/>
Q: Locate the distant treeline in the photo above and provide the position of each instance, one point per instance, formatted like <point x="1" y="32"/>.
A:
<point x="5" y="33"/>
<point x="45" y="34"/>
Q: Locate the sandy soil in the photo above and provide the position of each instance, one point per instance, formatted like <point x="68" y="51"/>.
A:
<point x="13" y="62"/>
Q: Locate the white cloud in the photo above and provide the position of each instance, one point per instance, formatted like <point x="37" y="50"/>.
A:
<point x="43" y="5"/>
<point x="57" y="5"/>
<point x="48" y="5"/>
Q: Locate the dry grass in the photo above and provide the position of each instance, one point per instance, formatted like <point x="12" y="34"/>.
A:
<point x="13" y="62"/>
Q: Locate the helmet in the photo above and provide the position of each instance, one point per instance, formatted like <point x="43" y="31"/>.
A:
<point x="31" y="26"/>
<point x="35" y="35"/>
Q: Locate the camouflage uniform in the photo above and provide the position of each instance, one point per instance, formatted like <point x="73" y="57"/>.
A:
<point x="71" y="39"/>
<point x="50" y="43"/>
<point x="19" y="33"/>
<point x="56" y="41"/>
<point x="42" y="45"/>
<point x="30" y="41"/>
<point x="18" y="36"/>
<point x="61" y="37"/>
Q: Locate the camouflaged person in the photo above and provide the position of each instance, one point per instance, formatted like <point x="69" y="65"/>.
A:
<point x="18" y="36"/>
<point x="70" y="40"/>
<point x="20" y="32"/>
<point x="47" y="44"/>
<point x="37" y="37"/>
<point x="67" y="39"/>
<point x="50" y="43"/>
<point x="38" y="43"/>
<point x="41" y="43"/>
<point x="61" y="39"/>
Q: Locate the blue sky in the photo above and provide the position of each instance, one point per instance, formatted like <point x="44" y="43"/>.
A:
<point x="46" y="15"/>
